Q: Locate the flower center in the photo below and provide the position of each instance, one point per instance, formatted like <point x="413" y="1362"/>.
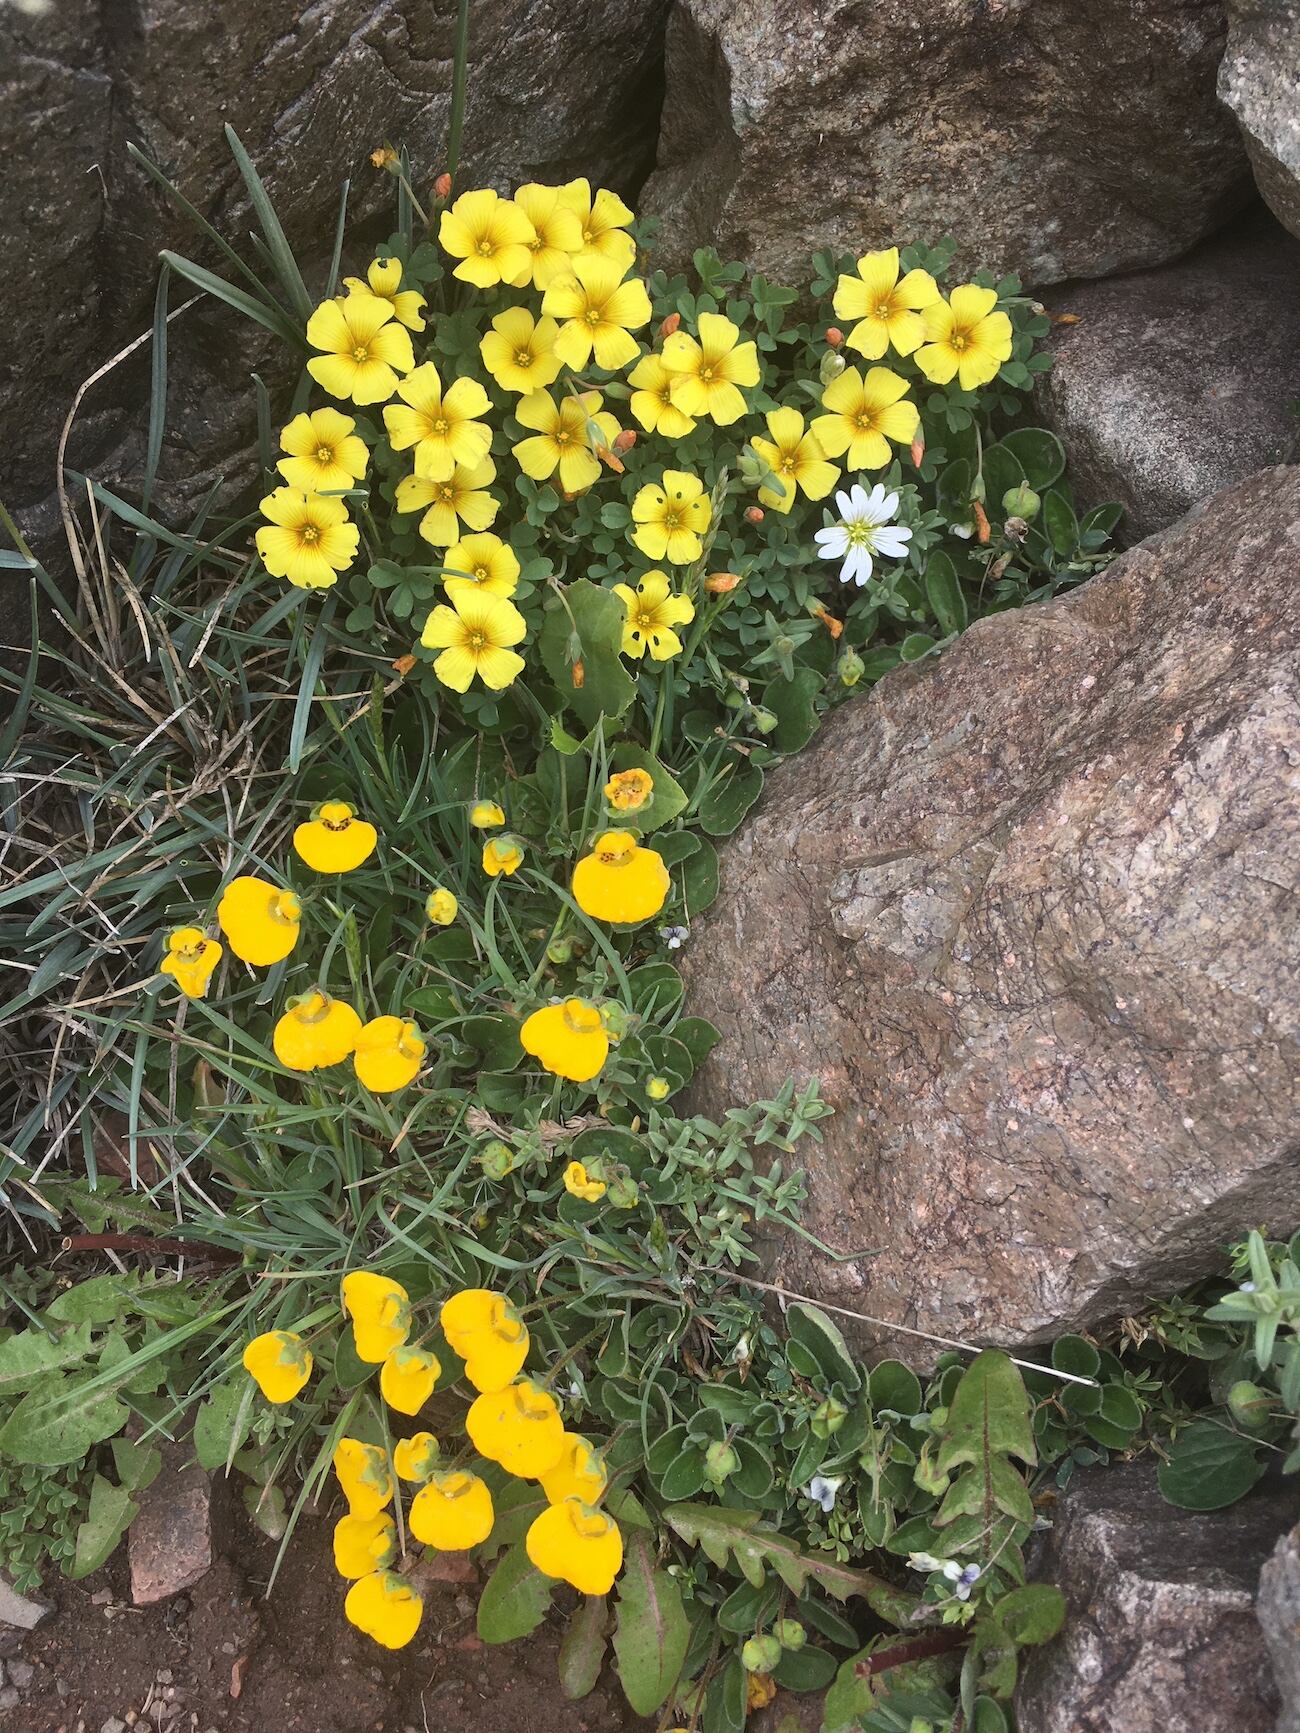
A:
<point x="787" y="465"/>
<point x="485" y="249"/>
<point x="310" y="534"/>
<point x="672" y="517"/>
<point x="286" y="907"/>
<point x="409" y="1044"/>
<point x="582" y="1019"/>
<point x="324" y="454"/>
<point x="335" y="822"/>
<point x="592" y="315"/>
<point x="861" y="535"/>
<point x="589" y="1524"/>
<point x="864" y="421"/>
<point x="588" y="236"/>
<point x="480" y="574"/>
<point x="191" y="953"/>
<point x="563" y="437"/>
<point x="706" y="374"/>
<point x="960" y="340"/>
<point x="442" y="425"/>
<point x="446" y="494"/>
<point x="645" y="619"/>
<point x="360" y="354"/>
<point x="313" y="1009"/>
<point x="885" y="309"/>
<point x="523" y="358"/>
<point x="477" y="641"/>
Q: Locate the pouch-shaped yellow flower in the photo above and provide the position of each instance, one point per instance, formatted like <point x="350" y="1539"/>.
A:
<point x="315" y="1031"/>
<point x="385" y="1607"/>
<point x="441" y="906"/>
<point x="380" y="1310"/>
<point x="519" y="1427"/>
<point x="280" y="1363"/>
<point x="619" y="881"/>
<point x="628" y="790"/>
<point x="388" y="1054"/>
<point x="416" y="1457"/>
<point x="453" y="1512"/>
<point x="335" y="840"/>
<point x="486" y="815"/>
<point x="467" y="1314"/>
<point x="495" y="1355"/>
<point x="259" y="919"/>
<point x="364" y="1543"/>
<point x="579" y="1183"/>
<point x="502" y="855"/>
<point x="364" y="1475"/>
<point x="568" y="1039"/>
<point x="578" y="1545"/>
<point x="578" y="1473"/>
<point x="190" y="959"/>
<point x="407" y="1379"/>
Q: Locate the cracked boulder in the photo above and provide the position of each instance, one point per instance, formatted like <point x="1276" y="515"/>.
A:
<point x="1259" y="80"/>
<point x="1046" y="137"/>
<point x="1027" y="911"/>
<point x="1278" y="1612"/>
<point x="1161" y="1631"/>
<point x="1175" y="382"/>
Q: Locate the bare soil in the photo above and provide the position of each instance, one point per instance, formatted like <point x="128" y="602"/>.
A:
<point x="223" y="1659"/>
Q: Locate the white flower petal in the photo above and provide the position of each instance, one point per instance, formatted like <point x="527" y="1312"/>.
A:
<point x="832" y="543"/>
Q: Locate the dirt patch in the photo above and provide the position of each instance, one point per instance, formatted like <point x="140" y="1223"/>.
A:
<point x="222" y="1659"/>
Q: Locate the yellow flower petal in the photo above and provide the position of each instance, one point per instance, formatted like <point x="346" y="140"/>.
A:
<point x="416" y="1457"/>
<point x="336" y="840"/>
<point x="388" y="1054"/>
<point x="385" y="1607"/>
<point x="452" y="1513"/>
<point x="578" y="1545"/>
<point x="363" y="1473"/>
<point x="519" y="1427"/>
<point x="407" y="1379"/>
<point x="315" y="1031"/>
<point x="280" y="1363"/>
<point x="568" y="1039"/>
<point x="364" y="1543"/>
<point x="620" y="881"/>
<point x="380" y="1310"/>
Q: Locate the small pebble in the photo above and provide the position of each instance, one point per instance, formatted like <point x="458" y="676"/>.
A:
<point x="10" y="1697"/>
<point x="164" y="1675"/>
<point x="20" y="1673"/>
<point x="113" y="1725"/>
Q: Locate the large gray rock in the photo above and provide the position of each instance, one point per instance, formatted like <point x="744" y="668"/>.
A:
<point x="1027" y="912"/>
<point x="1278" y="1611"/>
<point x="554" y="91"/>
<point x="1047" y="137"/>
<point x="1161" y="1633"/>
<point x="1177" y="381"/>
<point x="1259" y="80"/>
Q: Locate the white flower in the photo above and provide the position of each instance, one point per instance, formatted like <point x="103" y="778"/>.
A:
<point x="822" y="1490"/>
<point x="861" y="532"/>
<point x="962" y="1577"/>
<point x="674" y="937"/>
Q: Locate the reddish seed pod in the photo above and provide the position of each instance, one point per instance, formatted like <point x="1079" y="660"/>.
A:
<point x="754" y="514"/>
<point x="918" y="448"/>
<point x="670" y="324"/>
<point x="442" y="186"/>
<point x="834" y="336"/>
<point x="625" y="441"/>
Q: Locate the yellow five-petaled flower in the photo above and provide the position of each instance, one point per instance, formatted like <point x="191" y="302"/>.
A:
<point x="475" y="635"/>
<point x="671" y="517"/>
<point x="711" y="371"/>
<point x="886" y="308"/>
<point x="309" y="538"/>
<point x="598" y="312"/>
<point x="565" y="435"/>
<point x="440" y="425"/>
<point x="365" y="348"/>
<point x="652" y="612"/>
<point x="796" y="458"/>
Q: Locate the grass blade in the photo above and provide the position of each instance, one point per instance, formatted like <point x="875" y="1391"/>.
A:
<point x="264" y="313"/>
<point x="307" y="689"/>
<point x="286" y="266"/>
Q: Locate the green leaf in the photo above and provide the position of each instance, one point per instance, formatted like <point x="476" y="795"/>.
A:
<point x="989" y="1415"/>
<point x="33" y="1354"/>
<point x="582" y="1653"/>
<point x="652" y="1634"/>
<point x="137" y="1465"/>
<point x="1060" y="523"/>
<point x="58" y="1423"/>
<point x="1208" y="1467"/>
<point x="730" y="798"/>
<point x="1032" y="1614"/>
<point x="944" y="592"/>
<point x="590" y="620"/>
<point x="496" y="1038"/>
<point x="892" y="1385"/>
<point x="286" y="266"/>
<point x="101" y="1300"/>
<point x="515" y="1598"/>
<point x="721" y="1533"/>
<point x="108" y="1516"/>
<point x="264" y="313"/>
<point x="1039" y="453"/>
<point x="915" y="645"/>
<point x="1074" y="1354"/>
<point x="806" y="1669"/>
<point x="698" y="1036"/>
<point x="222" y="1422"/>
<point x="813" y="1330"/>
<point x="794" y="704"/>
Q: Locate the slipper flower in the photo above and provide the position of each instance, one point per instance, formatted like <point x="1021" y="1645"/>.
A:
<point x="519" y="1427"/>
<point x="578" y="1545"/>
<point x="578" y="1473"/>
<point x="491" y="237"/>
<point x="385" y="1607"/>
<point x="865" y="414"/>
<point x="485" y="562"/>
<point x="441" y="906"/>
<point x="460" y="499"/>
<point x="388" y="1054"/>
<point x="190" y="959"/>
<point x="566" y="433"/>
<point x="384" y="279"/>
<point x="380" y="1310"/>
<point x="486" y="815"/>
<point x="519" y="352"/>
<point x="557" y="231"/>
<point x="598" y="309"/>
<point x="628" y="790"/>
<point x="364" y="1543"/>
<point x="407" y="1379"/>
<point x="652" y="612"/>
<point x="315" y="1031"/>
<point x="474" y="635"/>
<point x="335" y="840"/>
<point x="568" y="1039"/>
<point x="502" y="856"/>
<point x="260" y="920"/>
<point x="416" y="1457"/>
<point x="488" y="1334"/>
<point x="710" y="371"/>
<point x="439" y="427"/>
<point x="886" y="307"/>
<point x="365" y="348"/>
<point x="580" y="1184"/>
<point x="280" y="1363"/>
<point x="654" y="401"/>
<point x="465" y="1315"/>
<point x="452" y="1513"/>
<point x="796" y="458"/>
<point x="601" y="219"/>
<point x="324" y="453"/>
<point x="620" y="881"/>
<point x="309" y="539"/>
<point x="363" y="1473"/>
<point x="671" y="517"/>
<point x="965" y="337"/>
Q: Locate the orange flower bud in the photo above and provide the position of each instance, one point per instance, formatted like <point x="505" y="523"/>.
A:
<point x="918" y="448"/>
<point x="579" y="676"/>
<point x="721" y="582"/>
<point x="981" y="521"/>
<point x="834" y="336"/>
<point x="754" y="514"/>
<point x="832" y="625"/>
<point x="626" y="440"/>
<point x="670" y="324"/>
<point x="384" y="157"/>
<point x="442" y="186"/>
<point x="404" y="664"/>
